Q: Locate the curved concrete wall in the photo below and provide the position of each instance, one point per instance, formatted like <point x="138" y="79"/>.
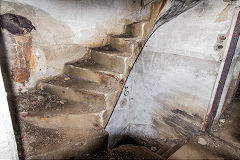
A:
<point x="171" y="84"/>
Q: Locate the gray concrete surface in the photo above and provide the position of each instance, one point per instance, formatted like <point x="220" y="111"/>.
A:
<point x="174" y="77"/>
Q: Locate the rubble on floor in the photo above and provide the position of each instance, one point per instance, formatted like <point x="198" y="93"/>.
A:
<point x="194" y="151"/>
<point x="228" y="127"/>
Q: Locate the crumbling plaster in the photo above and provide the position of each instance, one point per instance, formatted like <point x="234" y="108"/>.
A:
<point x="174" y="76"/>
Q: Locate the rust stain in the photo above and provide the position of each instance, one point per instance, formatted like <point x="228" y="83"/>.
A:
<point x="22" y="61"/>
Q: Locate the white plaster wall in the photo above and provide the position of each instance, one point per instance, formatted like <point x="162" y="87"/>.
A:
<point x="92" y="18"/>
<point x="8" y="147"/>
<point x="176" y="70"/>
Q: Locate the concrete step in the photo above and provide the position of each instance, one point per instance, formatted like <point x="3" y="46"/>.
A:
<point x="89" y="70"/>
<point x="110" y="58"/>
<point x="170" y="151"/>
<point x="69" y="115"/>
<point x="67" y="143"/>
<point x="78" y="90"/>
<point x="165" y="147"/>
<point x="129" y="151"/>
<point x="192" y="150"/>
<point x="137" y="29"/>
<point x="122" y="44"/>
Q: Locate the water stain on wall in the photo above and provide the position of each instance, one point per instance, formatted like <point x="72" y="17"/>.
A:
<point x="223" y="16"/>
<point x="23" y="59"/>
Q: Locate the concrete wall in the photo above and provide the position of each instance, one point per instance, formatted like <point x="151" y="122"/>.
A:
<point x="63" y="31"/>
<point x="171" y="84"/>
<point x="232" y="80"/>
<point x="233" y="73"/>
<point x="8" y="147"/>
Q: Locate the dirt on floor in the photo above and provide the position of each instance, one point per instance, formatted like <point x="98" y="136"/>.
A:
<point x="224" y="139"/>
<point x="127" y="151"/>
<point x="29" y="136"/>
<point x="228" y="127"/>
<point x="32" y="136"/>
<point x="136" y="148"/>
<point x="37" y="100"/>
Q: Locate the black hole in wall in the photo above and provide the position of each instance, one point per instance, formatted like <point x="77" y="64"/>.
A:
<point x="222" y="37"/>
<point x="220" y="46"/>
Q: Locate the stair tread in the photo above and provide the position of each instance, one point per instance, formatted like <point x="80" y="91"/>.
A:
<point x="130" y="39"/>
<point x="71" y="116"/>
<point x="193" y="150"/>
<point x="137" y="22"/>
<point x="73" y="108"/>
<point x="128" y="35"/>
<point x="37" y="101"/>
<point x="167" y="146"/>
<point x="109" y="50"/>
<point x="57" y="143"/>
<point x="129" y="151"/>
<point x="170" y="151"/>
<point x="79" y="84"/>
<point x="92" y="65"/>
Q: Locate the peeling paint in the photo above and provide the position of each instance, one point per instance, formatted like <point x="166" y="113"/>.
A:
<point x="23" y="61"/>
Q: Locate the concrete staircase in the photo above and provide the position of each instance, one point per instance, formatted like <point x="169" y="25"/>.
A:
<point x="86" y="95"/>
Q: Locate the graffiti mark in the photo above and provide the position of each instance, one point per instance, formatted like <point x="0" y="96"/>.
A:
<point x="126" y="91"/>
